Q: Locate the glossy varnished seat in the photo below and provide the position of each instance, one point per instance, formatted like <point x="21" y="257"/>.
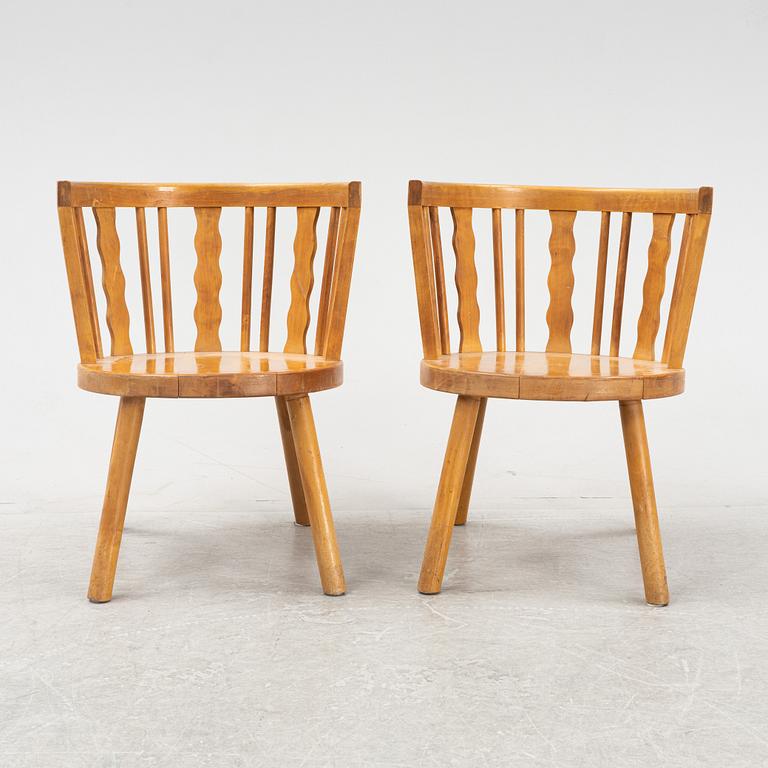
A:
<point x="551" y="376"/>
<point x="210" y="374"/>
<point x="556" y="372"/>
<point x="129" y="364"/>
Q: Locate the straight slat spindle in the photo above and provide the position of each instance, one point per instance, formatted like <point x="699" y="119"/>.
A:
<point x="621" y="280"/>
<point x="266" y="284"/>
<point x="325" y="286"/>
<point x="165" y="278"/>
<point x="85" y="261"/>
<point x="520" y="280"/>
<point x="146" y="286"/>
<point x="602" y="268"/>
<point x="498" y="280"/>
<point x="689" y="270"/>
<point x="245" y="314"/>
<point x="442" y="302"/>
<point x="342" y="278"/>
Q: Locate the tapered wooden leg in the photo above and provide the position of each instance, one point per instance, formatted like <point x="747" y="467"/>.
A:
<point x="644" y="502"/>
<point x="291" y="464"/>
<point x="448" y="493"/>
<point x="127" y="429"/>
<point x="469" y="475"/>
<point x="316" y="494"/>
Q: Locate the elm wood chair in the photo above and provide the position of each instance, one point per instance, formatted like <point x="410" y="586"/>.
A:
<point x="288" y="376"/>
<point x="556" y="373"/>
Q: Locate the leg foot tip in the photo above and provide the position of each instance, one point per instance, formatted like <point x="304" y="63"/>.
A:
<point x="335" y="594"/>
<point x="658" y="604"/>
<point x="98" y="601"/>
<point x="300" y="525"/>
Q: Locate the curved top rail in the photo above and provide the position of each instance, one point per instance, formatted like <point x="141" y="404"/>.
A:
<point x="110" y="195"/>
<point x="430" y="193"/>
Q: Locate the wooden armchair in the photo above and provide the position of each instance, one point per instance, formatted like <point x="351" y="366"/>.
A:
<point x="208" y="371"/>
<point x="557" y="373"/>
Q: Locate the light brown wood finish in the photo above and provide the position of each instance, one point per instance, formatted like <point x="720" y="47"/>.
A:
<point x="113" y="281"/>
<point x="126" y="440"/>
<point x="561" y="372"/>
<point x="165" y="278"/>
<point x="466" y="280"/>
<point x="653" y="287"/>
<point x="562" y="247"/>
<point x="302" y="279"/>
<point x="442" y="302"/>
<point x="316" y="495"/>
<point x="498" y="281"/>
<point x="292" y="463"/>
<point x="209" y="372"/>
<point x="621" y="280"/>
<point x="266" y="286"/>
<point x="208" y="280"/>
<point x="644" y="502"/>
<point x="520" y="280"/>
<point x="247" y="301"/>
<point x="448" y="494"/>
<point x="85" y="260"/>
<point x="327" y="282"/>
<point x="602" y="268"/>
<point x="146" y="285"/>
<point x="469" y="475"/>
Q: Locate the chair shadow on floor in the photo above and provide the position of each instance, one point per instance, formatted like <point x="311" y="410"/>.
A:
<point x="502" y="554"/>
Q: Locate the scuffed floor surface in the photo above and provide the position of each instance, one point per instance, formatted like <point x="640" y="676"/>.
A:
<point x="219" y="650"/>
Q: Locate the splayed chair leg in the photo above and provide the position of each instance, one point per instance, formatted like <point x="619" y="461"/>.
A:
<point x="448" y="493"/>
<point x="644" y="502"/>
<point x="300" y="513"/>
<point x="469" y="475"/>
<point x="316" y="495"/>
<point x="129" y="417"/>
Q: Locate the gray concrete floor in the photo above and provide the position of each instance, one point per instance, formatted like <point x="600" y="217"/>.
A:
<point x="219" y="650"/>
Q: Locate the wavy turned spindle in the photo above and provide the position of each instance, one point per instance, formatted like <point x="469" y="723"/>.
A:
<point x="621" y="280"/>
<point x="602" y="268"/>
<point x="146" y="286"/>
<point x="245" y="312"/>
<point x="466" y="281"/>
<point x="327" y="282"/>
<point x="520" y="280"/>
<point x="207" y="280"/>
<point x="266" y="283"/>
<point x="302" y="279"/>
<point x="562" y="247"/>
<point x="653" y="287"/>
<point x="165" y="278"/>
<point x="113" y="281"/>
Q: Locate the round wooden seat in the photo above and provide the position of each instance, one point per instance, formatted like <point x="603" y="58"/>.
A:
<point x="210" y="374"/>
<point x="551" y="376"/>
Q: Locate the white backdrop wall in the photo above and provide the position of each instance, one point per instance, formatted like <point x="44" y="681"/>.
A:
<point x="652" y="94"/>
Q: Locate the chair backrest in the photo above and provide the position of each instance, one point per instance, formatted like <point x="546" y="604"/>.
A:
<point x="207" y="200"/>
<point x="562" y="203"/>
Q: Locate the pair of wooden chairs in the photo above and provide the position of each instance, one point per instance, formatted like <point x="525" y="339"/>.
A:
<point x="472" y="373"/>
